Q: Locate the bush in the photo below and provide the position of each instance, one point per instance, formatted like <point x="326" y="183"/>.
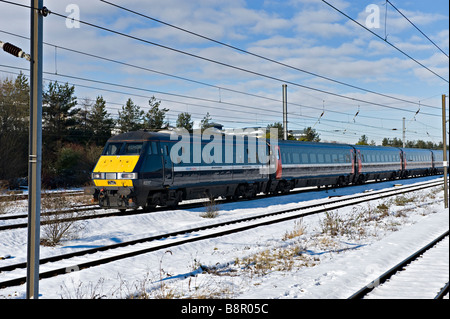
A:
<point x="71" y="167"/>
<point x="211" y="208"/>
<point x="58" y="223"/>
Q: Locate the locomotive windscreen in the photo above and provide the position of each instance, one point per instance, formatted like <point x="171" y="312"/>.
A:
<point x="123" y="149"/>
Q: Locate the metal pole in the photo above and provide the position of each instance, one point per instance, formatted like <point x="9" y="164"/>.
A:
<point x="285" y="128"/>
<point x="444" y="141"/>
<point x="35" y="152"/>
<point x="404" y="133"/>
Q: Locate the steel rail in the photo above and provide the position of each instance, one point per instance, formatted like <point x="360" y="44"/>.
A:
<point x="231" y="227"/>
<point x="360" y="294"/>
<point x="133" y="212"/>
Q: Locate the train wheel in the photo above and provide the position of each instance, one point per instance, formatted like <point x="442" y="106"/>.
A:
<point x="177" y="197"/>
<point x="148" y="207"/>
<point x="340" y="182"/>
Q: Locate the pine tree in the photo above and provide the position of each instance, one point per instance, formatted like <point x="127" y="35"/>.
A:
<point x="155" y="117"/>
<point x="310" y="134"/>
<point x="185" y="120"/>
<point x="206" y="122"/>
<point x="278" y="126"/>
<point x="99" y="122"/>
<point x="14" y="109"/>
<point x="131" y="117"/>
<point x="363" y="140"/>
<point x="60" y="116"/>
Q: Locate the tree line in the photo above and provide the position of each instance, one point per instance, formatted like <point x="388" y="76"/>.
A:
<point x="76" y="130"/>
<point x="396" y="142"/>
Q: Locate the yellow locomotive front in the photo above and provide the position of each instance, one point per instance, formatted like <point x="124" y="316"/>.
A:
<point x="116" y="173"/>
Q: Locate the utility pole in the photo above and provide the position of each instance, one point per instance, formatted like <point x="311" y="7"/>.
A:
<point x="285" y="121"/>
<point x="35" y="149"/>
<point x="444" y="141"/>
<point x="404" y="133"/>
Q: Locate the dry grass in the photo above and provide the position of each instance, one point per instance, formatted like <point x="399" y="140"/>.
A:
<point x="299" y="230"/>
<point x="3" y="205"/>
<point x="63" y="224"/>
<point x="211" y="208"/>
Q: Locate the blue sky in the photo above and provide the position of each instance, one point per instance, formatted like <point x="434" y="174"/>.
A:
<point x="304" y="34"/>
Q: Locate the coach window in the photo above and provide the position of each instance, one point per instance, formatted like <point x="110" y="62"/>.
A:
<point x="296" y="157"/>
<point x="320" y="158"/>
<point x="347" y="158"/>
<point x="335" y="158"/>
<point x="327" y="158"/>
<point x="313" y="158"/>
<point x="305" y="159"/>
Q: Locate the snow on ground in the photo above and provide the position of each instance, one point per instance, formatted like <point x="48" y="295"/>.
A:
<point x="322" y="256"/>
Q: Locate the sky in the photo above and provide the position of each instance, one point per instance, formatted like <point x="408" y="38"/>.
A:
<point x="342" y="80"/>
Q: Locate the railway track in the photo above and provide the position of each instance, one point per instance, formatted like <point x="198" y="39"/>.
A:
<point x="398" y="281"/>
<point x="20" y="196"/>
<point x="110" y="213"/>
<point x="14" y="274"/>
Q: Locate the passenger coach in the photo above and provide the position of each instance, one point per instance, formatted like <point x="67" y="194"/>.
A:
<point x="417" y="162"/>
<point x="315" y="164"/>
<point x="377" y="163"/>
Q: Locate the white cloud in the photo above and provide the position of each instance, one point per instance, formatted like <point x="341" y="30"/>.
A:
<point x="306" y="34"/>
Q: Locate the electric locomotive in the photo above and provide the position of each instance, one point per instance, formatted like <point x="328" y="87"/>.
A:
<point x="150" y="168"/>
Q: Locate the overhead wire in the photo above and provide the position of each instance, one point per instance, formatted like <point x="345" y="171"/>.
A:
<point x="190" y="80"/>
<point x="201" y="99"/>
<point x="220" y="63"/>
<point x="385" y="40"/>
<point x="254" y="54"/>
<point x="417" y="28"/>
<point x="256" y="73"/>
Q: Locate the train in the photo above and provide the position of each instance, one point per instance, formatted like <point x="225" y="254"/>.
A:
<point x="148" y="169"/>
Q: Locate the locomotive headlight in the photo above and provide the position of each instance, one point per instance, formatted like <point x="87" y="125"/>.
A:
<point x="111" y="176"/>
<point x="127" y="175"/>
<point x="98" y="175"/>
